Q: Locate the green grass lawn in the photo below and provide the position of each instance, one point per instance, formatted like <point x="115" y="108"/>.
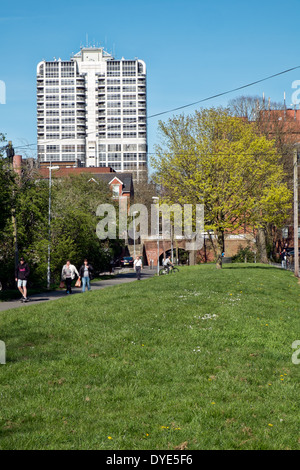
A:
<point x="202" y="357"/>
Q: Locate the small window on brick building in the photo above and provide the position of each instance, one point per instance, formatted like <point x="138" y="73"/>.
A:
<point x="116" y="190"/>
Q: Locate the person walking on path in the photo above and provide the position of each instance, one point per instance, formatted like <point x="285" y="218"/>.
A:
<point x="284" y="258"/>
<point x="21" y="277"/>
<point x="138" y="266"/>
<point x="68" y="274"/>
<point x="86" y="275"/>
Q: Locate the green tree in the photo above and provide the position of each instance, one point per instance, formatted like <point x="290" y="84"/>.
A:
<point x="6" y="185"/>
<point x="73" y="225"/>
<point x="7" y="206"/>
<point x="272" y="121"/>
<point x="222" y="162"/>
<point x="74" y="222"/>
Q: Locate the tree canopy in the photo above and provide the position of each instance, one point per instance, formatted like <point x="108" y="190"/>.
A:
<point x="221" y="161"/>
<point x="73" y="224"/>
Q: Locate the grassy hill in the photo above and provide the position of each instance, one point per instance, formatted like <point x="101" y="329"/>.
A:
<point x="202" y="357"/>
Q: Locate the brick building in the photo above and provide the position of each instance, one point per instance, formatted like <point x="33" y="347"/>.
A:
<point x="121" y="184"/>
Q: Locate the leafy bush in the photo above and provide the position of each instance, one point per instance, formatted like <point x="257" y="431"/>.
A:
<point x="244" y="255"/>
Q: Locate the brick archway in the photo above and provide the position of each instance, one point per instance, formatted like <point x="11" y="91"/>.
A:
<point x="150" y="249"/>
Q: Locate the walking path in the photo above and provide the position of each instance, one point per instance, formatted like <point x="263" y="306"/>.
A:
<point x="95" y="285"/>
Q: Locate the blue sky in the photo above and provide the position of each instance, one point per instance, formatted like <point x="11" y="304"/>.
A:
<point x="192" y="48"/>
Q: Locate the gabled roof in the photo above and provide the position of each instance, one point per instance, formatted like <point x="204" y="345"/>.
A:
<point x="105" y="174"/>
<point x="124" y="178"/>
<point x="115" y="178"/>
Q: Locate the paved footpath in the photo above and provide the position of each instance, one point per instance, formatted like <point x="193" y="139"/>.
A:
<point x="95" y="285"/>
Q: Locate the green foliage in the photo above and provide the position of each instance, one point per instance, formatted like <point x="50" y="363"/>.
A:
<point x="7" y="257"/>
<point x="74" y="221"/>
<point x="73" y="226"/>
<point x="7" y="185"/>
<point x="7" y="204"/>
<point x="244" y="255"/>
<point x="224" y="163"/>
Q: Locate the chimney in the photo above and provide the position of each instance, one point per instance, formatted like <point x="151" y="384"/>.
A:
<point x="17" y="164"/>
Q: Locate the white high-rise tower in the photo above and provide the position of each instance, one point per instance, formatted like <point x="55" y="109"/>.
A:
<point x="91" y="112"/>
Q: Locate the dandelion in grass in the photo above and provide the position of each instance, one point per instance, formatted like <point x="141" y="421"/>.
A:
<point x="208" y="316"/>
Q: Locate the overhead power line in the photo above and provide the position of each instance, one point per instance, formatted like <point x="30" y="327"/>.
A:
<point x="203" y="100"/>
<point x="225" y="92"/>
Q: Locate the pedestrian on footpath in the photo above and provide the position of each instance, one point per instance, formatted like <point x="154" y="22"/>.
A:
<point x="68" y="274"/>
<point x="21" y="276"/>
<point x="284" y="258"/>
<point x="86" y="275"/>
<point x="138" y="266"/>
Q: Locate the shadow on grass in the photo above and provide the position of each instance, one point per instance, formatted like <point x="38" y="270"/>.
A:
<point x="252" y="266"/>
<point x="12" y="295"/>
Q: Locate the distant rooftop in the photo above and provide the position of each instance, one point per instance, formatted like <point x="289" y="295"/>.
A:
<point x="92" y="49"/>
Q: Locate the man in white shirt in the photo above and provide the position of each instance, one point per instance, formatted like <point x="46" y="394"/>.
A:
<point x="167" y="263"/>
<point x="138" y="267"/>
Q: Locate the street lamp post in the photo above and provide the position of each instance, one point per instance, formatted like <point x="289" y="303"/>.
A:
<point x="50" y="168"/>
<point x="172" y="244"/>
<point x="134" y="214"/>
<point x="157" y="201"/>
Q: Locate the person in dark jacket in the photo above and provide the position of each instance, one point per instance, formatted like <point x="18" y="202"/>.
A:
<point x="21" y="277"/>
<point x="284" y="258"/>
<point x="86" y="274"/>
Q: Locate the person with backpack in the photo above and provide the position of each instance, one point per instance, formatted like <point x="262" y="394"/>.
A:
<point x="21" y="276"/>
<point x="86" y="275"/>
